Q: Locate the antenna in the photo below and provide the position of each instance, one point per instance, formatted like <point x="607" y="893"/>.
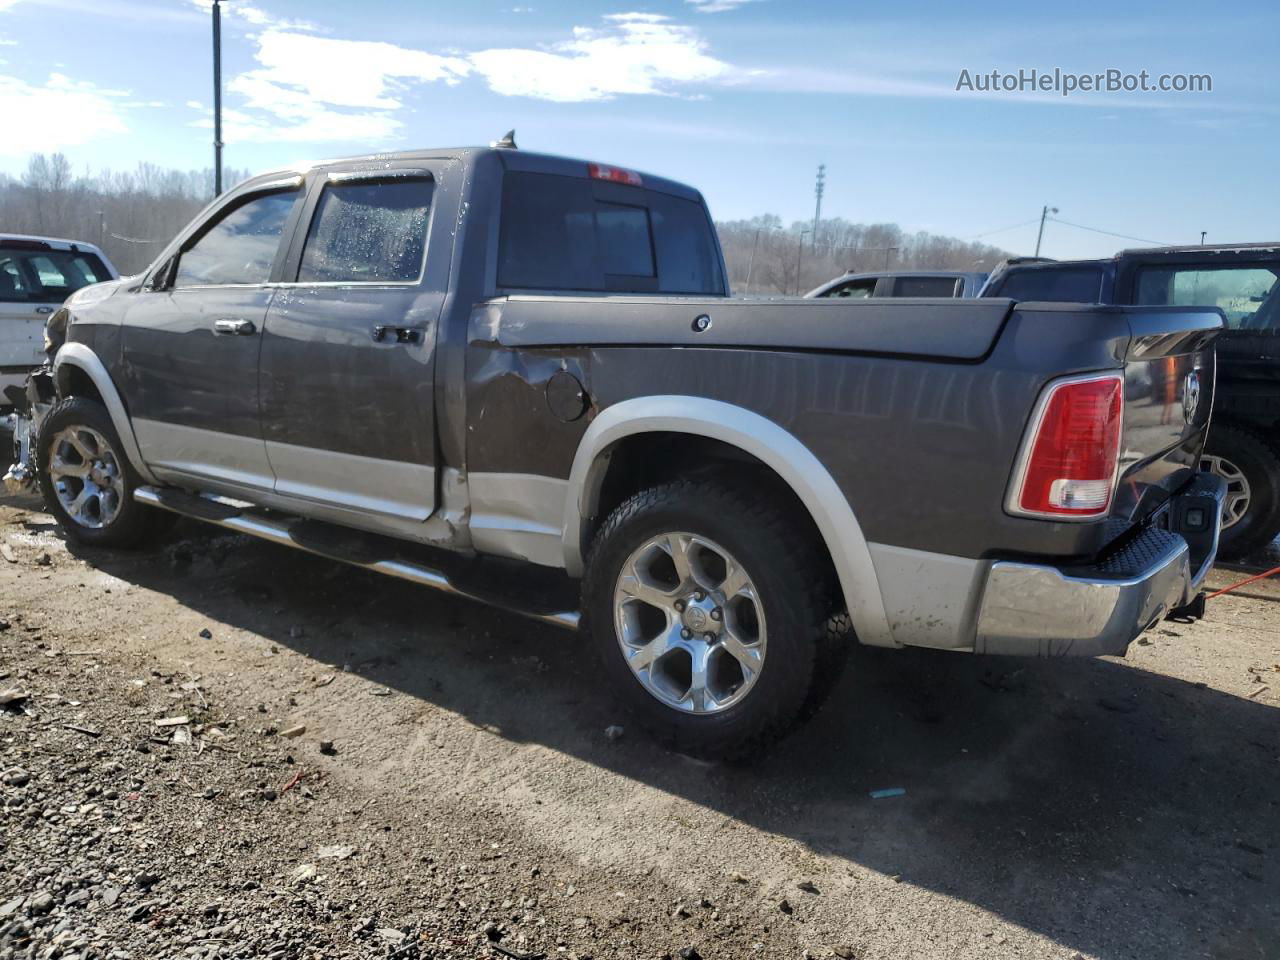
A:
<point x="508" y="142"/>
<point x="817" y="192"/>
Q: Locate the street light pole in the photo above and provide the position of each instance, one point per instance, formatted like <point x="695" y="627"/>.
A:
<point x="1044" y="214"/>
<point x="1202" y="234"/>
<point x="217" y="98"/>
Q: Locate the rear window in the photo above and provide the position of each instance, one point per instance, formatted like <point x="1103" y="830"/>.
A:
<point x="926" y="287"/>
<point x="1072" y="285"/>
<point x="572" y="233"/>
<point x="46" y="276"/>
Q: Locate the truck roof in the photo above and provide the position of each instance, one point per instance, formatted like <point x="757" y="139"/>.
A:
<point x="1266" y="247"/>
<point x="512" y="159"/>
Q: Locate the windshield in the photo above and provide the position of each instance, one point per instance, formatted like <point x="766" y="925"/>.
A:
<point x="46" y="276"/>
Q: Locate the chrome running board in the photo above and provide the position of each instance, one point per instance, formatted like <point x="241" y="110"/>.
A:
<point x="298" y="533"/>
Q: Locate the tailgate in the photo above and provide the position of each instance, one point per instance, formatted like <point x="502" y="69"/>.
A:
<point x="1169" y="381"/>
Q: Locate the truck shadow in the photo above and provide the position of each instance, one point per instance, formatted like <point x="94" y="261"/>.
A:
<point x="1115" y="811"/>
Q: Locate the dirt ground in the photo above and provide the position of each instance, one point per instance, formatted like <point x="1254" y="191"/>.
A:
<point x="472" y="803"/>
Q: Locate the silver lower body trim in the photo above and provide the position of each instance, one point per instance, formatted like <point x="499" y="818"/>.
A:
<point x="277" y="530"/>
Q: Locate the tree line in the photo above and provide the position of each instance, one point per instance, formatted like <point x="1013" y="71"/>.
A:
<point x="131" y="215"/>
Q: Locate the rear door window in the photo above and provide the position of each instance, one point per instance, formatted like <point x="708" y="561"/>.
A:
<point x="1068" y="285"/>
<point x="1247" y="295"/>
<point x="46" y="276"/>
<point x="368" y="231"/>
<point x="241" y="244"/>
<point x="573" y="233"/>
<point x="926" y="287"/>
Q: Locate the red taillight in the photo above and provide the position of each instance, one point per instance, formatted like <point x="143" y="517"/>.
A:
<point x="598" y="171"/>
<point x="1068" y="467"/>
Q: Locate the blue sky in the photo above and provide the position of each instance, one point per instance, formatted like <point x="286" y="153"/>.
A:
<point x="742" y="98"/>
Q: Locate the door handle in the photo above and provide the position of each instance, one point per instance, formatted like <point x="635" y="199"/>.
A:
<point x="44" y="310"/>
<point x="235" y="328"/>
<point x="383" y="332"/>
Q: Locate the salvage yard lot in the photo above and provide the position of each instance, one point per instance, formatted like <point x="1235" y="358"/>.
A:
<point x="473" y="803"/>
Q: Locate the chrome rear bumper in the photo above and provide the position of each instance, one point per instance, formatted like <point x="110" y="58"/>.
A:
<point x="1039" y="610"/>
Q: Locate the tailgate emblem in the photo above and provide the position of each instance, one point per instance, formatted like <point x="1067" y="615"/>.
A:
<point x="1190" y="396"/>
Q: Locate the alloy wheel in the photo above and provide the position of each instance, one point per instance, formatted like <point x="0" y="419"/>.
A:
<point x="690" y="623"/>
<point x="86" y="476"/>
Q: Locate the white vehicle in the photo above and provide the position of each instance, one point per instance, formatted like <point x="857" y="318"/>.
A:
<point x="36" y="275"/>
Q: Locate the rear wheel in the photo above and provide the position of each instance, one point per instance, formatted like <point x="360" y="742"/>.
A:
<point x="709" y="608"/>
<point x="86" y="481"/>
<point x="1251" y="469"/>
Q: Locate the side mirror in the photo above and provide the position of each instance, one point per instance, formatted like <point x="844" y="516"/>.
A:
<point x="161" y="279"/>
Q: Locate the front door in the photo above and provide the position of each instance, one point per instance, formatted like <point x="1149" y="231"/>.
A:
<point x="348" y="355"/>
<point x="191" y="344"/>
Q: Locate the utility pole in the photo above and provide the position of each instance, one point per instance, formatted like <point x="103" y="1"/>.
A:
<point x="1202" y="234"/>
<point x="887" y="252"/>
<point x="817" y="210"/>
<point x="102" y="229"/>
<point x="799" y="250"/>
<point x="217" y="98"/>
<point x="751" y="264"/>
<point x="1044" y="215"/>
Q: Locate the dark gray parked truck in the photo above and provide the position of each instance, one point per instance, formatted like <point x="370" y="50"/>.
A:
<point x="518" y="356"/>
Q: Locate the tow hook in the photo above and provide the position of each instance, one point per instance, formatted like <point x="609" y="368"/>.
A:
<point x="1189" y="611"/>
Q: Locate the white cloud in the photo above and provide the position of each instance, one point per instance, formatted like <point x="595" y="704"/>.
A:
<point x="252" y="15"/>
<point x="314" y="88"/>
<point x="634" y="53"/>
<point x="717" y="6"/>
<point x="61" y="113"/>
<point x="296" y="94"/>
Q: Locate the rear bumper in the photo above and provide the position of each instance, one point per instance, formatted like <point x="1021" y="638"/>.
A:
<point x="1038" y="610"/>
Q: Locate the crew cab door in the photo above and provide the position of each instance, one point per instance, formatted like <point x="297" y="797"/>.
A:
<point x="191" y="340"/>
<point x="348" y="356"/>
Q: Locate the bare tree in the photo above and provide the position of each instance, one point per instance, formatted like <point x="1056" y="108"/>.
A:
<point x="130" y="214"/>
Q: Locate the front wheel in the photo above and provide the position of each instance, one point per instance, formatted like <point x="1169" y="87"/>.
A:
<point x="86" y="481"/>
<point x="708" y="606"/>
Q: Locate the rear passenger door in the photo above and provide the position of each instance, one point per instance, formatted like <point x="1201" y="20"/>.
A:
<point x="348" y="354"/>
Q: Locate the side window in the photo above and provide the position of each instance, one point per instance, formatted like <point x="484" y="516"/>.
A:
<point x="13" y="288"/>
<point x="241" y="246"/>
<point x="856" y="290"/>
<point x="1247" y="295"/>
<point x="368" y="231"/>
<point x="927" y="287"/>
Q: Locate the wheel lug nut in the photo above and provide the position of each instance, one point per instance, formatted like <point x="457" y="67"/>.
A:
<point x="685" y="633"/>
<point x="680" y="606"/>
<point x="716" y="614"/>
<point x="709" y="637"/>
<point x="699" y="596"/>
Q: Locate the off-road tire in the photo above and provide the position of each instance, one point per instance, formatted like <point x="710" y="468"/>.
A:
<point x="805" y="642"/>
<point x="1259" y="463"/>
<point x="134" y="524"/>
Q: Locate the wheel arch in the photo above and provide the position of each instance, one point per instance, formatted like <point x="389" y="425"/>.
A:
<point x="75" y="365"/>
<point x="792" y="463"/>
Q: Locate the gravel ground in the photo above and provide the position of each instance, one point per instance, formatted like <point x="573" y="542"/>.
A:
<point x="225" y="749"/>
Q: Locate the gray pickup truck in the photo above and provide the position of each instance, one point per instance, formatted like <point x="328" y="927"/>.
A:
<point x="505" y="354"/>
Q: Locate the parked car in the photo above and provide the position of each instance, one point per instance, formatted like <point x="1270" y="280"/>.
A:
<point x="36" y="275"/>
<point x="902" y="283"/>
<point x="1244" y="443"/>
<point x="534" y="358"/>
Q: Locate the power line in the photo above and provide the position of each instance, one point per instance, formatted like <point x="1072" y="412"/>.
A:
<point x="1109" y="233"/>
<point x="1024" y="223"/>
